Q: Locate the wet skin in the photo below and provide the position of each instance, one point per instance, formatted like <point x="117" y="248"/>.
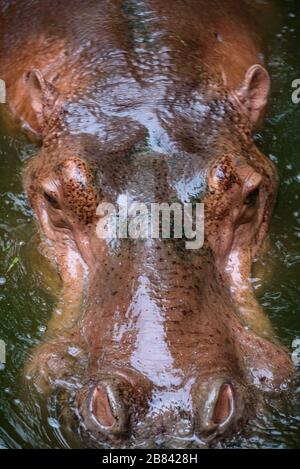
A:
<point x="156" y="101"/>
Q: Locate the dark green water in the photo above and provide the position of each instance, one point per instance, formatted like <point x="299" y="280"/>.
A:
<point x="25" y="306"/>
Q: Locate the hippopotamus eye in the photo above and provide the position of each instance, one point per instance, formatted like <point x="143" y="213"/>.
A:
<point x="250" y="206"/>
<point x="51" y="200"/>
<point x="252" y="197"/>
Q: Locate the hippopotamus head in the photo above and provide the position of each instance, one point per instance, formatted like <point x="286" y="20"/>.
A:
<point x="174" y="342"/>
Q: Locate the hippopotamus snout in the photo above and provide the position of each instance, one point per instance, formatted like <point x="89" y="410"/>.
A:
<point x="117" y="408"/>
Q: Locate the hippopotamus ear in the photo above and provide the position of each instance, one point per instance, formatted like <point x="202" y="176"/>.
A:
<point x="39" y="98"/>
<point x="253" y="92"/>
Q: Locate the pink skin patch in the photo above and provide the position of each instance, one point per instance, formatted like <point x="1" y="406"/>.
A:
<point x="224" y="406"/>
<point x="101" y="408"/>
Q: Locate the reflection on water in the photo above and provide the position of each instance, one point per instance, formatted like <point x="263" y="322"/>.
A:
<point x="25" y="306"/>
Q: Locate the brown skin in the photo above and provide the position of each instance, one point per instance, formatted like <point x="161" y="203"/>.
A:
<point x="156" y="100"/>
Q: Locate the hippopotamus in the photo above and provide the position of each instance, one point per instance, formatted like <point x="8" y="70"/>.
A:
<point x="151" y="343"/>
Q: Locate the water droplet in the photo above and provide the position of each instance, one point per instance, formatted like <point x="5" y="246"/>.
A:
<point x="53" y="422"/>
<point x="73" y="351"/>
<point x="296" y="343"/>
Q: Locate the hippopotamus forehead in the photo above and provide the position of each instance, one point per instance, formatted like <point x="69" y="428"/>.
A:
<point x="138" y="153"/>
<point x="131" y="156"/>
<point x="177" y="121"/>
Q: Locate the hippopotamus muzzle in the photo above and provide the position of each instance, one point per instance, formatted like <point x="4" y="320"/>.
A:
<point x="109" y="408"/>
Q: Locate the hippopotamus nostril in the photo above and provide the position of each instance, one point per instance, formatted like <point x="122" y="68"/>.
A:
<point x="224" y="406"/>
<point x="218" y="409"/>
<point x="103" y="409"/>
